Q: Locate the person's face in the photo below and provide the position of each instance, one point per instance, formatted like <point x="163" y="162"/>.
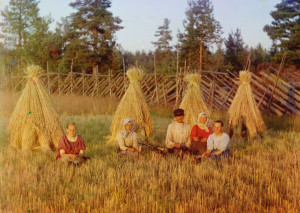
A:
<point x="218" y="128"/>
<point x="71" y="130"/>
<point x="203" y="119"/>
<point x="179" y="119"/>
<point x="128" y="127"/>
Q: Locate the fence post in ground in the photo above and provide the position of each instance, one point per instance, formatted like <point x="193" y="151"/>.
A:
<point x="48" y="80"/>
<point x="155" y="78"/>
<point x="276" y="81"/>
<point x="109" y="82"/>
<point x="124" y="75"/>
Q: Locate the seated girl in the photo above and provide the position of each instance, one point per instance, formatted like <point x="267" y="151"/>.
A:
<point x="71" y="146"/>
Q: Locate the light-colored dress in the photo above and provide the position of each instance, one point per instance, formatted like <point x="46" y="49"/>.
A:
<point x="127" y="139"/>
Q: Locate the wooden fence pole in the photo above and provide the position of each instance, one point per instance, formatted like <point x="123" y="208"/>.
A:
<point x="276" y="81"/>
<point x="109" y="81"/>
<point x="59" y="84"/>
<point x="124" y="75"/>
<point x="48" y="80"/>
<point x="71" y="77"/>
<point x="83" y="84"/>
<point x="155" y="78"/>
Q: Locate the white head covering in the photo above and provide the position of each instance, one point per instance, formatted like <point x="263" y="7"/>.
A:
<point x="124" y="132"/>
<point x="203" y="126"/>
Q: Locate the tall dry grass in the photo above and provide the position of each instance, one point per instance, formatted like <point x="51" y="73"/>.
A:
<point x="66" y="105"/>
<point x="261" y="176"/>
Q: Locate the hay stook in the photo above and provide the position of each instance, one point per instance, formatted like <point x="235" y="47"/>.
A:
<point x="193" y="102"/>
<point x="132" y="105"/>
<point x="34" y="123"/>
<point x="244" y="116"/>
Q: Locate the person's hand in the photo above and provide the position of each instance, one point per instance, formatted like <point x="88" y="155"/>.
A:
<point x="196" y="139"/>
<point x="207" y="155"/>
<point x="177" y="145"/>
<point x="131" y="149"/>
<point x="203" y="140"/>
<point x="73" y="157"/>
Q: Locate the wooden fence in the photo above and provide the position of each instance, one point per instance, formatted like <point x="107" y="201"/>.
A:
<point x="273" y="93"/>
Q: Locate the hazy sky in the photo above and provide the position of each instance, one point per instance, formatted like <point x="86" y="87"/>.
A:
<point x="142" y="17"/>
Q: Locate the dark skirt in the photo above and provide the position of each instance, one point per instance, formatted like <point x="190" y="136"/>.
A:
<point x="198" y="148"/>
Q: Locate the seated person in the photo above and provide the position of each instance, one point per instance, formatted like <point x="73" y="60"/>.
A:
<point x="71" y="146"/>
<point x="127" y="138"/>
<point x="217" y="143"/>
<point x="178" y="134"/>
<point x="199" y="134"/>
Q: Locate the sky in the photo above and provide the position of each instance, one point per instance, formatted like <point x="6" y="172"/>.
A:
<point x="141" y="18"/>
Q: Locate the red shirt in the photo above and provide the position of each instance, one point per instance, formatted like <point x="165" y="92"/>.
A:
<point x="70" y="147"/>
<point x="197" y="132"/>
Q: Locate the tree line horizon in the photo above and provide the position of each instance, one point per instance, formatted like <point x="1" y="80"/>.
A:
<point x="85" y="41"/>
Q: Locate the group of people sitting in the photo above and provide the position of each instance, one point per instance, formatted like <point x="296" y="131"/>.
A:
<point x="199" y="141"/>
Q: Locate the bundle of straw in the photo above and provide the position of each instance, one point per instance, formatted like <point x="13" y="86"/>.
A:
<point x="244" y="111"/>
<point x="193" y="101"/>
<point x="34" y="123"/>
<point x="132" y="105"/>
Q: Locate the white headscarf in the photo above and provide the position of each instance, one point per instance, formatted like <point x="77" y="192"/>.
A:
<point x="123" y="131"/>
<point x="203" y="126"/>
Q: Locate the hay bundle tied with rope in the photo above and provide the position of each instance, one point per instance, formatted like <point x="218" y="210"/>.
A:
<point x="132" y="105"/>
<point x="244" y="114"/>
<point x="34" y="123"/>
<point x="193" y="102"/>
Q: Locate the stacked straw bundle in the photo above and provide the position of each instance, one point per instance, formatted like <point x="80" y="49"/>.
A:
<point x="193" y="101"/>
<point x="34" y="124"/>
<point x="243" y="112"/>
<point x="132" y="105"/>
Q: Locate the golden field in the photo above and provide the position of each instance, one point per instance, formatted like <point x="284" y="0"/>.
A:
<point x="260" y="176"/>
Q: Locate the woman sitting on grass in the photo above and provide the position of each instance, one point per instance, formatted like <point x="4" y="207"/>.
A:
<point x="71" y="147"/>
<point x="127" y="138"/>
<point x="200" y="133"/>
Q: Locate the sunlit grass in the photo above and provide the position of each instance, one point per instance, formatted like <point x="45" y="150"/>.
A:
<point x="260" y="176"/>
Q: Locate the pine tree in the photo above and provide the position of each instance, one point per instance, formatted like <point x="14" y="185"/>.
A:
<point x="259" y="55"/>
<point x="164" y="37"/>
<point x="284" y="31"/>
<point x="163" y="52"/>
<point x="236" y="51"/>
<point x="21" y="16"/>
<point x="201" y="31"/>
<point x="96" y="26"/>
<point x="37" y="48"/>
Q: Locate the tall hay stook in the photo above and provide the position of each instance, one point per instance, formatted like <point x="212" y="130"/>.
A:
<point x="193" y="102"/>
<point x="244" y="116"/>
<point x="132" y="105"/>
<point x="34" y="123"/>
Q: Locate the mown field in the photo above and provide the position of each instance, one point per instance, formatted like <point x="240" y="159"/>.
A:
<point x="260" y="176"/>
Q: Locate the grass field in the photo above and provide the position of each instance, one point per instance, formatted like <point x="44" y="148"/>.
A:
<point x="261" y="176"/>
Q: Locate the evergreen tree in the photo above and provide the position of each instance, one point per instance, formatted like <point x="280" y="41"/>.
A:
<point x="201" y="31"/>
<point x="164" y="37"/>
<point x="236" y="51"/>
<point x="163" y="52"/>
<point x="38" y="43"/>
<point x="284" y="31"/>
<point x="258" y="56"/>
<point x="95" y="26"/>
<point x="21" y="16"/>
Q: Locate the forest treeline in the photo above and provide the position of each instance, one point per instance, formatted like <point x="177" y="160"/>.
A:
<point x="85" y="41"/>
